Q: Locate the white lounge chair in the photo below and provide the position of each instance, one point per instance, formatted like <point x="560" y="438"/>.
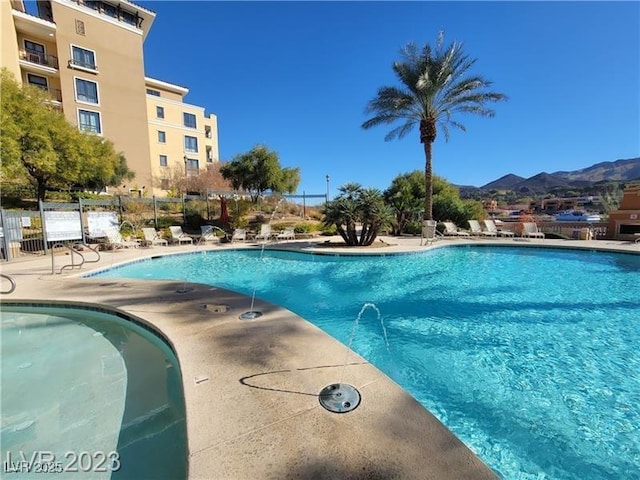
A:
<point x="239" y="234"/>
<point x="451" y="230"/>
<point x="265" y="232"/>
<point x="115" y="240"/>
<point x="152" y="237"/>
<point x="491" y="227"/>
<point x="287" y="234"/>
<point x="208" y="234"/>
<point x="429" y="232"/>
<point x="178" y="236"/>
<point x="530" y="230"/>
<point x="476" y="229"/>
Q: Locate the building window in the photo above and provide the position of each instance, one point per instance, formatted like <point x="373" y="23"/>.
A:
<point x="86" y="91"/>
<point x="89" y="121"/>
<point x="155" y="93"/>
<point x="192" y="164"/>
<point x="189" y="120"/>
<point x="38" y="81"/>
<point x="109" y="10"/>
<point x="164" y="183"/>
<point x="190" y="144"/>
<point x="162" y="137"/>
<point x="163" y="160"/>
<point x="160" y="112"/>
<point x="35" y="52"/>
<point x="82" y="57"/>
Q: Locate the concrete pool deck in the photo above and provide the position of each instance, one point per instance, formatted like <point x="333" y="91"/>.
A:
<point x="251" y="387"/>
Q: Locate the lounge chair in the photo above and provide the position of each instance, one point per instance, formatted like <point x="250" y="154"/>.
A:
<point x="451" y="230"/>
<point x="115" y="240"/>
<point x="239" y="234"/>
<point x="208" y="234"/>
<point x="429" y="232"/>
<point x="152" y="237"/>
<point x="287" y="234"/>
<point x="530" y="230"/>
<point x="265" y="232"/>
<point x="476" y="229"/>
<point x="178" y="236"/>
<point x="491" y="227"/>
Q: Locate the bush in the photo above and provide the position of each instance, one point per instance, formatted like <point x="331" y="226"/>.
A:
<point x="413" y="228"/>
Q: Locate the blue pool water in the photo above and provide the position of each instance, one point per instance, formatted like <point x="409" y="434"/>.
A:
<point x="531" y="356"/>
<point x="88" y="395"/>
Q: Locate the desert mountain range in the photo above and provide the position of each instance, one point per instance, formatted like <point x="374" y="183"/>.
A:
<point x="624" y="170"/>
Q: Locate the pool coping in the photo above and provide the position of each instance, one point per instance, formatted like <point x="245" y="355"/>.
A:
<point x="271" y="370"/>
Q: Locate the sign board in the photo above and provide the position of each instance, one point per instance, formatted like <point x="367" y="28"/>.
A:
<point x="98" y="222"/>
<point x="62" y="226"/>
<point x="26" y="221"/>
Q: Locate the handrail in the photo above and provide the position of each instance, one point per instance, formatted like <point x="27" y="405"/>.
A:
<point x="13" y="284"/>
<point x="72" y="264"/>
<point x="95" y="250"/>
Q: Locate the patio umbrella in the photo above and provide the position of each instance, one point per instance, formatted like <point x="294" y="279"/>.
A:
<point x="224" y="213"/>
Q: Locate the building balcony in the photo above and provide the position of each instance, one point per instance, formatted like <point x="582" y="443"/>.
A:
<point x="38" y="58"/>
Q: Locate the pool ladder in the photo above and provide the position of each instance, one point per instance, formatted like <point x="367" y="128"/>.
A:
<point x="11" y="281"/>
<point x="74" y="252"/>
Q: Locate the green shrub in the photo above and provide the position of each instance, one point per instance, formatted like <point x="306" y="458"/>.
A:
<point x="413" y="228"/>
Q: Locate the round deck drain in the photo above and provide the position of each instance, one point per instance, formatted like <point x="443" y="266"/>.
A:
<point x="339" y="397"/>
<point x="250" y="315"/>
<point x="184" y="290"/>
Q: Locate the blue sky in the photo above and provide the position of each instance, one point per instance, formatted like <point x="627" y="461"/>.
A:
<point x="296" y="76"/>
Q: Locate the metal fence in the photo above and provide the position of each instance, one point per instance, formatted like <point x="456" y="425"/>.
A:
<point x="26" y="232"/>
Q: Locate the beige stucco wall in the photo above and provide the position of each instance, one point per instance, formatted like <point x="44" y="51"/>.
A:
<point x="8" y="39"/>
<point x="119" y="59"/>
<point x="175" y="132"/>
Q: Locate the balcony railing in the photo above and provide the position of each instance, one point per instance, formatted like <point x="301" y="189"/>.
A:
<point x="39" y="58"/>
<point x="113" y="11"/>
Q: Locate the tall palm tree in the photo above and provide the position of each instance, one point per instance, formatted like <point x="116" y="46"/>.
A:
<point x="435" y="85"/>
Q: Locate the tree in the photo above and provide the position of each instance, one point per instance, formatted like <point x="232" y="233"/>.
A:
<point x="39" y="144"/>
<point x="258" y="171"/>
<point x="355" y="206"/>
<point x="406" y="197"/>
<point x="435" y="85"/>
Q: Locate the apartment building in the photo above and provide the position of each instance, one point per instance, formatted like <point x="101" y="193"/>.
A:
<point x="89" y="56"/>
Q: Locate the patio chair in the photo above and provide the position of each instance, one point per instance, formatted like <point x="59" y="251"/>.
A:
<point x="265" y="232"/>
<point x="429" y="232"/>
<point x="530" y="230"/>
<point x="208" y="234"/>
<point x="178" y="236"/>
<point x="152" y="237"/>
<point x="239" y="234"/>
<point x="287" y="234"/>
<point x="115" y="240"/>
<point x="451" y="230"/>
<point x="476" y="229"/>
<point x="491" y="227"/>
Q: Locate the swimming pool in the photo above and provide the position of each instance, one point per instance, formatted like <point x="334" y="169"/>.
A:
<point x="529" y="355"/>
<point x="88" y="394"/>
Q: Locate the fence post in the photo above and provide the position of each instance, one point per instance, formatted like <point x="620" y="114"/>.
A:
<point x="184" y="210"/>
<point x="4" y="239"/>
<point x="304" y="206"/>
<point x="120" y="207"/>
<point x="44" y="232"/>
<point x="82" y="226"/>
<point x="155" y="212"/>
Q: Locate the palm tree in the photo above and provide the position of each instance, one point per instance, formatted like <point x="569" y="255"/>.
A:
<point x="435" y="85"/>
<point x="355" y="206"/>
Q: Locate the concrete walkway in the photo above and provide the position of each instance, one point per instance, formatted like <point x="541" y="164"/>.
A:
<point x="251" y="387"/>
